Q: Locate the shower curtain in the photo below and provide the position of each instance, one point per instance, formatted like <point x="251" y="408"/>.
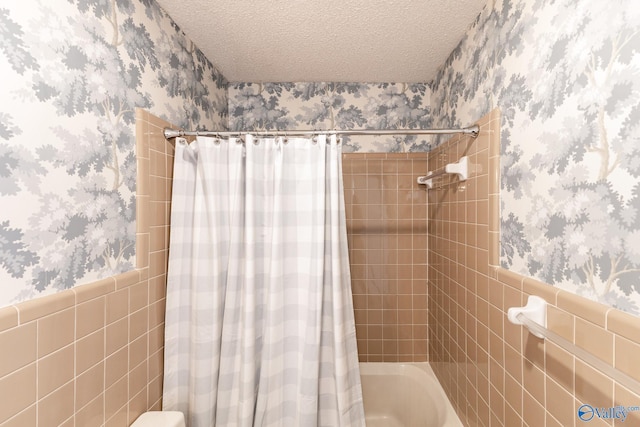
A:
<point x="259" y="326"/>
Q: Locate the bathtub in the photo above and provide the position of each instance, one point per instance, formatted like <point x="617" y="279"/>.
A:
<point x="404" y="395"/>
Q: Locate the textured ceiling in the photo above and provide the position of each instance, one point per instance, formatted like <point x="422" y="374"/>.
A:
<point x="325" y="40"/>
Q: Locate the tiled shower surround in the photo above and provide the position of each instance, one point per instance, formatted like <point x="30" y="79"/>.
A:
<point x="426" y="286"/>
<point x="387" y="231"/>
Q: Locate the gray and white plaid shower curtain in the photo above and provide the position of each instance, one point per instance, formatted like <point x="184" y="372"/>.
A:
<point x="259" y="319"/>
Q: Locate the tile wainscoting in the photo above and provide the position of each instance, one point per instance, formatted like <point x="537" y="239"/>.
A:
<point x="93" y="355"/>
<point x="496" y="373"/>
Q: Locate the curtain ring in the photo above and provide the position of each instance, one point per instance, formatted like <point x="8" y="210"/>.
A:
<point x="240" y="139"/>
<point x="314" y="140"/>
<point x="216" y="141"/>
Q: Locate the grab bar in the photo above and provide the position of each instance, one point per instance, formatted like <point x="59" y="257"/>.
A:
<point x="517" y="316"/>
<point x="461" y="168"/>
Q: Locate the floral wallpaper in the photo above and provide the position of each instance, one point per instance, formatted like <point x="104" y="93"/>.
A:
<point x="73" y="73"/>
<point x="288" y="106"/>
<point x="566" y="76"/>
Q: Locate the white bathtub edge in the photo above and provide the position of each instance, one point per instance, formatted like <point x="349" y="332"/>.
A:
<point x="416" y="369"/>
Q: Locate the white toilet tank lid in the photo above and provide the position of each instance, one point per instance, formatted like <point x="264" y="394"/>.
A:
<point x="160" y="419"/>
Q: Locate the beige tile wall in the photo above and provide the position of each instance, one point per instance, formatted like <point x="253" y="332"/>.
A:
<point x="495" y="373"/>
<point x="92" y="355"/>
<point x="387" y="231"/>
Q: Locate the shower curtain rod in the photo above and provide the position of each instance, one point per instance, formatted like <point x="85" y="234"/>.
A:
<point x="471" y="130"/>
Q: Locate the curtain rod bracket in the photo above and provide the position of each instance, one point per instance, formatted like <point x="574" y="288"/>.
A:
<point x="172" y="133"/>
<point x="474" y="130"/>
